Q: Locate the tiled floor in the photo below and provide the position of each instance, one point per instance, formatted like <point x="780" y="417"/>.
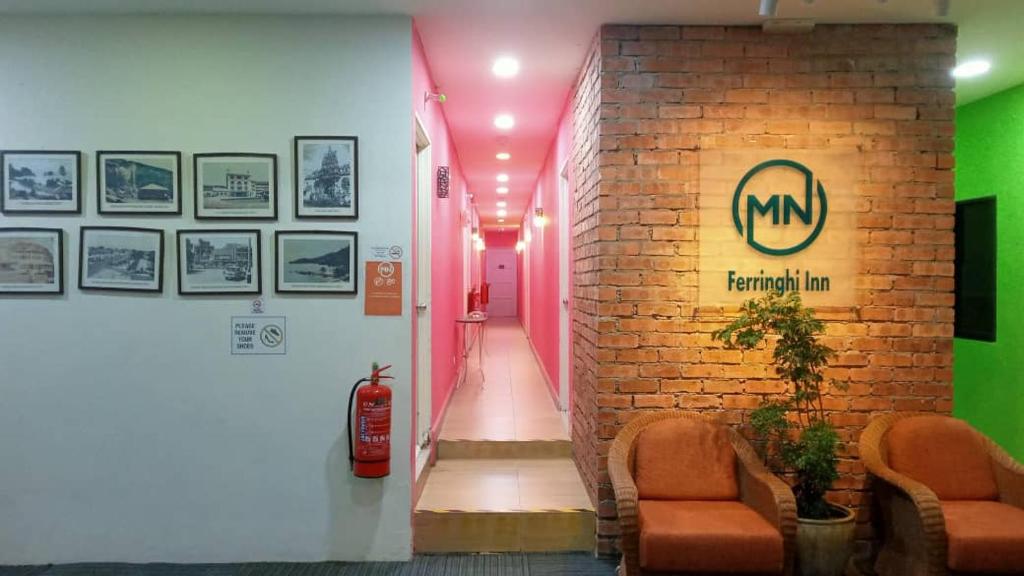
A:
<point x="513" y="402"/>
<point x="504" y="485"/>
<point x="504" y="480"/>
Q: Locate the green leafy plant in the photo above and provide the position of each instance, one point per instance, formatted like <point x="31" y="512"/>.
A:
<point x="792" y="434"/>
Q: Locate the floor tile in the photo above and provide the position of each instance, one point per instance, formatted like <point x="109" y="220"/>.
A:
<point x="511" y="401"/>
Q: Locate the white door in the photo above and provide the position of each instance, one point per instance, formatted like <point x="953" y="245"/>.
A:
<point x="501" y="275"/>
<point x="564" y="262"/>
<point x="423" y="203"/>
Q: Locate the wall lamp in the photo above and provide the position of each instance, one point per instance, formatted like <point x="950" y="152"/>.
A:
<point x="438" y="97"/>
<point x="539" y="219"/>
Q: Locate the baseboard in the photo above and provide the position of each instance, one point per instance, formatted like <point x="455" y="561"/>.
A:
<point x="552" y="388"/>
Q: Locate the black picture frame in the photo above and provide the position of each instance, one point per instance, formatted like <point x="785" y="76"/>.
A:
<point x="198" y="184"/>
<point x="102" y="155"/>
<point x="281" y="285"/>
<point x="58" y="264"/>
<point x="158" y="267"/>
<point x="257" y="261"/>
<point x="6" y="204"/>
<point x="304" y="212"/>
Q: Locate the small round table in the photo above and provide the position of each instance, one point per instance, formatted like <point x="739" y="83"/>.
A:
<point x="478" y="319"/>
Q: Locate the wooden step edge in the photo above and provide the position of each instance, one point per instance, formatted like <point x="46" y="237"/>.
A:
<point x="503" y="449"/>
<point x="504" y="531"/>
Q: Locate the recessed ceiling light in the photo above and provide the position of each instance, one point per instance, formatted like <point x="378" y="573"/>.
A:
<point x="505" y="67"/>
<point x="972" y="68"/>
<point x="502" y="190"/>
<point x="502" y="204"/>
<point x="504" y="121"/>
<point x="502" y="155"/>
<point x="502" y="177"/>
<point x="502" y="213"/>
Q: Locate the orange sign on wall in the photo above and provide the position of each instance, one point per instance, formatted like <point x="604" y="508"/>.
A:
<point x="383" y="288"/>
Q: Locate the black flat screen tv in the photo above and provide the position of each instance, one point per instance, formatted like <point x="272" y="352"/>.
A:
<point x="976" y="269"/>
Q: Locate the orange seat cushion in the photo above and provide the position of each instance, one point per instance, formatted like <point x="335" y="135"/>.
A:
<point x="681" y="459"/>
<point x="984" y="536"/>
<point x="944" y="454"/>
<point x="707" y="536"/>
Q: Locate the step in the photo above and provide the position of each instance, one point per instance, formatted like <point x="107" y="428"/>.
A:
<point x="512" y="531"/>
<point x="450" y="449"/>
<point x="504" y="505"/>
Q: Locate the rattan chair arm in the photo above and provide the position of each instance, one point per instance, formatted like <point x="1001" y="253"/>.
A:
<point x="1009" y="474"/>
<point x="768" y="495"/>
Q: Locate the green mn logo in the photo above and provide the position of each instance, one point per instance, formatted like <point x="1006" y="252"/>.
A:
<point x="785" y="209"/>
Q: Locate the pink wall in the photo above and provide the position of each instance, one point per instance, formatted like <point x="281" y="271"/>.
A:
<point x="447" y="240"/>
<point x="501" y="238"/>
<point x="542" y="295"/>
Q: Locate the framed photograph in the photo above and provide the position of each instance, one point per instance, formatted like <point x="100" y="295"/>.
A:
<point x="40" y="182"/>
<point x="219" y="262"/>
<point x="235" y="186"/>
<point x="326" y="177"/>
<point x="115" y="258"/>
<point x="136" y="182"/>
<point x="31" y="261"/>
<point x="316" y="261"/>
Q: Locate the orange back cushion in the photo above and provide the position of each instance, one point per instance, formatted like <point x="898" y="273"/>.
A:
<point x="945" y="455"/>
<point x="681" y="459"/>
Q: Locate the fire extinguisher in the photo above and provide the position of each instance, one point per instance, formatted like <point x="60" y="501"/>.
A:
<point x="370" y="455"/>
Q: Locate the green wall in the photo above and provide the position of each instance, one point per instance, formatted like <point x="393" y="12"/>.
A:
<point x="989" y="377"/>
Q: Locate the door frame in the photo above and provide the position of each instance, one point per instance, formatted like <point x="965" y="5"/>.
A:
<point x="564" y="287"/>
<point x="424" y="201"/>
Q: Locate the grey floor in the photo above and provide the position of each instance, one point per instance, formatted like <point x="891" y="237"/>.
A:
<point x="439" y="565"/>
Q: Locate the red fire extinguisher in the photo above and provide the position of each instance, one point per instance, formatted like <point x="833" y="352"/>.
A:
<point x="370" y="455"/>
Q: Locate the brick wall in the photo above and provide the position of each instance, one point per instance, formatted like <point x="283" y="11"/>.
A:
<point x="586" y="263"/>
<point x="668" y="92"/>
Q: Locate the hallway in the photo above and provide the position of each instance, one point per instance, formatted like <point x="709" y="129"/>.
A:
<point x="513" y="402"/>
<point x="504" y="479"/>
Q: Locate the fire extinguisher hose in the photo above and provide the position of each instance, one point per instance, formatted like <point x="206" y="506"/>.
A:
<point x="351" y="397"/>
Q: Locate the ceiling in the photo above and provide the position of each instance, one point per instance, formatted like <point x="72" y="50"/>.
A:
<point x="550" y="38"/>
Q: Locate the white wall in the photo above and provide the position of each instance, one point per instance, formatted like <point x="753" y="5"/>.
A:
<point x="127" y="431"/>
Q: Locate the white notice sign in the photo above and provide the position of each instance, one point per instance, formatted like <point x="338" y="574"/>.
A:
<point x="258" y="335"/>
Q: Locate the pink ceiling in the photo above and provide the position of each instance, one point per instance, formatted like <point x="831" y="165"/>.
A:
<point x="461" y="57"/>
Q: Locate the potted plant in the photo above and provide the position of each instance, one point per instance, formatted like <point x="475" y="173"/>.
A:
<point x="793" y="433"/>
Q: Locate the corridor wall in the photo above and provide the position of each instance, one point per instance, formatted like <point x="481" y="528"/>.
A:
<point x="128" y="432"/>
<point x="450" y="234"/>
<point x="544" y="256"/>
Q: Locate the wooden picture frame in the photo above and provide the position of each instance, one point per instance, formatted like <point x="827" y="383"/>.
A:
<point x="326" y="177"/>
<point x="138" y="182"/>
<point x="316" y="262"/>
<point x="40" y="182"/>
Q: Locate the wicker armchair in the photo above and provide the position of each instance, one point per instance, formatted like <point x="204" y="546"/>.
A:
<point x="947" y="499"/>
<point x="766" y="501"/>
